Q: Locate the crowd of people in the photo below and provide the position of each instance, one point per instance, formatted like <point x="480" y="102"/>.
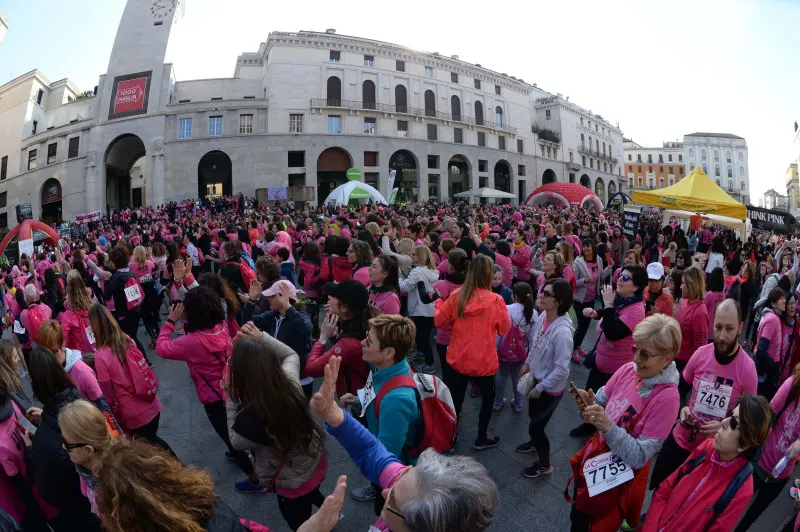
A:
<point x="398" y="312"/>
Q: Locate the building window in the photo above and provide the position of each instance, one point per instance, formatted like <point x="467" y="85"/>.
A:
<point x="497" y="89"/>
<point x="605" y="167"/>
<point x="629" y="157"/>
<point x="428" y="72"/>
<point x="730" y="172"/>
<point x="369" y="126"/>
<point x="730" y="185"/>
<point x="716" y="170"/>
<point x="649" y="169"/>
<point x="430" y="103"/>
<point x="453" y="77"/>
<point x="334" y="124"/>
<point x="400" y="66"/>
<point x="680" y="158"/>
<point x="501" y="142"/>
<point x="477" y="84"/>
<point x="728" y="156"/>
<point x="639" y="169"/>
<point x="297" y="159"/>
<point x="478" y="113"/>
<point x="649" y="157"/>
<point x="742" y="185"/>
<point x="498" y="116"/>
<point x="245" y="124"/>
<point x="3" y="200"/>
<point x="680" y="170"/>
<point x="550" y="154"/>
<point x="34" y="127"/>
<point x="402" y="128"/>
<point x="335" y="56"/>
<point x="630" y="182"/>
<point x="431" y="131"/>
<point x="718" y="183"/>
<point x="481" y="139"/>
<point x="370" y="158"/>
<point x="521" y="169"/>
<point x="295" y="123"/>
<point x="31" y="159"/>
<point x="716" y="155"/>
<point x="638" y="157"/>
<point x="51" y="153"/>
<point x="4" y="167"/>
<point x="39" y="97"/>
<point x="4" y="220"/>
<point x="433" y="161"/>
<point x="661" y="170"/>
<point x="703" y="154"/>
<point x="547" y="115"/>
<point x="369" y="60"/>
<point x="185" y="128"/>
<point x="483" y="165"/>
<point x="334" y="88"/>
<point x="214" y="126"/>
<point x="458" y="135"/>
<point x="741" y="156"/>
<point x="591" y="162"/>
<point x="520" y="147"/>
<point x="368" y="99"/>
<point x="583" y="160"/>
<point x="671" y="170"/>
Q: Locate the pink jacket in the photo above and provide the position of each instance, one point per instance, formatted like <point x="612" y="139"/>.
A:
<point x="75" y="324"/>
<point x="117" y="386"/>
<point x="521" y="259"/>
<point x="205" y="352"/>
<point x="362" y="275"/>
<point x="505" y="263"/>
<point x="310" y="274"/>
<point x="388" y="302"/>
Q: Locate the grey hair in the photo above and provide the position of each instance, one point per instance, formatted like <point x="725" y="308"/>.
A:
<point x="455" y="493"/>
<point x="30" y="293"/>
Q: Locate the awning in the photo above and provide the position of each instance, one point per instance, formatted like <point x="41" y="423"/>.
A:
<point x="696" y="193"/>
<point x="485" y="192"/>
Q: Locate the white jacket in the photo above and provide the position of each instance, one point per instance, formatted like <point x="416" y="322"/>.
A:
<point x="409" y="285"/>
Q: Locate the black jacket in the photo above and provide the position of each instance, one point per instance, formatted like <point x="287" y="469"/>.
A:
<point x="224" y="520"/>
<point x="295" y="330"/>
<point x="54" y="473"/>
<point x="232" y="273"/>
<point x="115" y="289"/>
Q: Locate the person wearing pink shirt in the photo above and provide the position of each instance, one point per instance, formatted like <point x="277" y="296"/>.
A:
<point x="768" y="346"/>
<point x="719" y="374"/>
<point x="520" y="257"/>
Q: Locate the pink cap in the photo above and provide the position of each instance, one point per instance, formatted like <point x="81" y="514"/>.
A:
<point x="279" y="287"/>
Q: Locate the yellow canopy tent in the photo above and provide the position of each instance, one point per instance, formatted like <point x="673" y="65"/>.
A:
<point x="697" y="193"/>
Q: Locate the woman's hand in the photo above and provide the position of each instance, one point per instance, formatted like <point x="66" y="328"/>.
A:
<point x="179" y="270"/>
<point x="249" y="330"/>
<point x="176" y="313"/>
<point x="608" y="294"/>
<point x="685" y="415"/>
<point x="587" y="396"/>
<point x="709" y="429"/>
<point x="589" y="313"/>
<point x="330" y="327"/>
<point x="255" y="291"/>
<point x="348" y="399"/>
<point x="323" y="403"/>
<point x="34" y="415"/>
<point x="596" y="415"/>
<point x="534" y="393"/>
<point x="524" y="370"/>
<point x="327" y="516"/>
<point x="793" y="450"/>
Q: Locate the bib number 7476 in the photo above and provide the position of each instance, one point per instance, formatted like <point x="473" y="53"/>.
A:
<point x="604" y="472"/>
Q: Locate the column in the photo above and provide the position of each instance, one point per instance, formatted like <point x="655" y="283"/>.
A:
<point x="157" y="173"/>
<point x="422" y="184"/>
<point x="95" y="193"/>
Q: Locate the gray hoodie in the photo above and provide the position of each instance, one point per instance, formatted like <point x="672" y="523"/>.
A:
<point x="71" y="358"/>
<point x="549" y="354"/>
<point x="637" y="451"/>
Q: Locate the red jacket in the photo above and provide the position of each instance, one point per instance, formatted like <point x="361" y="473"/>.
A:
<point x="353" y="371"/>
<point x="664" y="303"/>
<point x="685" y="506"/>
<point x="693" y="319"/>
<point x="342" y="269"/>
<point x="472" y="348"/>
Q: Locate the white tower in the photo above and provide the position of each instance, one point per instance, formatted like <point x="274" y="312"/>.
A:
<point x="4" y="27"/>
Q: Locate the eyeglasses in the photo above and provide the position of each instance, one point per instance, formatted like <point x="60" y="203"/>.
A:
<point x="644" y="355"/>
<point x="390" y="498"/>
<point x="70" y="446"/>
<point x="625" y="277"/>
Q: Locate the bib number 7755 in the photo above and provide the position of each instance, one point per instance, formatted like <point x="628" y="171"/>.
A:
<point x="604" y="472"/>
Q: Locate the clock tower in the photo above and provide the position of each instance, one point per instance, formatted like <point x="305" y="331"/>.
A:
<point x="133" y="81"/>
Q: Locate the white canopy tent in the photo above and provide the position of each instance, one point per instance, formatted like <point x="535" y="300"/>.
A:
<point x="342" y="194"/>
<point x="485" y="192"/>
<point x="742" y="226"/>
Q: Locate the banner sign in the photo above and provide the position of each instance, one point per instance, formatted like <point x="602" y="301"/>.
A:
<point x="392" y="176"/>
<point x="630" y="221"/>
<point x="88" y="217"/>
<point x="26" y="247"/>
<point x="769" y="220"/>
<point x="276" y="193"/>
<point x="129" y="95"/>
<point x="354" y="174"/>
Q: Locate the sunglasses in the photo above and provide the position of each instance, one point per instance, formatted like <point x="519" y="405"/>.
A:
<point x="70" y="446"/>
<point x="625" y="277"/>
<point x="545" y="293"/>
<point x="733" y="422"/>
<point x="644" y="355"/>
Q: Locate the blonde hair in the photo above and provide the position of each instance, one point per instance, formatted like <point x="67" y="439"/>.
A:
<point x="76" y="292"/>
<point x="558" y="261"/>
<point x="405" y="246"/>
<point x="82" y="422"/>
<point x="662" y="331"/>
<point x="425" y="257"/>
<point x="693" y="285"/>
<point x="374" y="229"/>
<point x="51" y="335"/>
<point x="567" y="252"/>
<point x="140" y="255"/>
<point x="394" y="331"/>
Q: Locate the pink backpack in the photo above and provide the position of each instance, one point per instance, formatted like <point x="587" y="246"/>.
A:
<point x="513" y="347"/>
<point x="145" y="382"/>
<point x="35" y="318"/>
<point x="134" y="294"/>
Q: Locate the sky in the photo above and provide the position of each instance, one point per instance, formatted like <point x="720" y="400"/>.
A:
<point x="660" y="70"/>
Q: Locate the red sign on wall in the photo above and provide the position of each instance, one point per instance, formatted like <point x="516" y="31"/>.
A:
<point x="130" y="95"/>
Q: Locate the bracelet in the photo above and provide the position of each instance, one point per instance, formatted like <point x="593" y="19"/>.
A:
<point x="608" y="305"/>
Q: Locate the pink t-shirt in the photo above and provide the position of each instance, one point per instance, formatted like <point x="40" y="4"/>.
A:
<point x="12" y="460"/>
<point x="711" y="300"/>
<point x="714" y="387"/>
<point x="660" y="407"/>
<point x="783" y="433"/>
<point x="770" y="328"/>
<point x="788" y="340"/>
<point x="85" y="380"/>
<point x="591" y="288"/>
<point x="612" y="355"/>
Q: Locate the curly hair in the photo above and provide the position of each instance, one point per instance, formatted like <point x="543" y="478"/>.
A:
<point x="203" y="309"/>
<point x="144" y="489"/>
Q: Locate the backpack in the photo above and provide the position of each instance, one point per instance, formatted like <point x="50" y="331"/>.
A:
<point x="513" y="346"/>
<point x="145" y="382"/>
<point x="248" y="275"/>
<point x="134" y="294"/>
<point x="436" y="406"/>
<point x="730" y="491"/>
<point x="35" y="319"/>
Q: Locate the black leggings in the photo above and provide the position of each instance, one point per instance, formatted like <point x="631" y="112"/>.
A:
<point x="684" y="388"/>
<point x="583" y="322"/>
<point x="298" y="511"/>
<point x="149" y="432"/>
<point x="219" y="420"/>
<point x="424" y="326"/>
<point x="670" y="458"/>
<point x="457" y="382"/>
<point x="540" y="411"/>
<point x="763" y="495"/>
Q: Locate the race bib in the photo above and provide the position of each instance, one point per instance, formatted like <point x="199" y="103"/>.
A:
<point x="604" y="472"/>
<point x="18" y="328"/>
<point x="145" y="279"/>
<point x="712" y="399"/>
<point x="90" y="335"/>
<point x="132" y="293"/>
<point x="366" y="395"/>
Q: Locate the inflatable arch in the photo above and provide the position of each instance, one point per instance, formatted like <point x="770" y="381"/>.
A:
<point x="567" y="194"/>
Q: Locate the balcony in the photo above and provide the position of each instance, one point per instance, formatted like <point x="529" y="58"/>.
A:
<point x="322" y="103"/>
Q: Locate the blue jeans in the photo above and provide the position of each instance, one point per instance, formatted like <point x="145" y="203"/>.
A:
<point x="501" y="378"/>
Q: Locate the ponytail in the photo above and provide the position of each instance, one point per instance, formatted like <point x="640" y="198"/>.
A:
<point x="524" y="294"/>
